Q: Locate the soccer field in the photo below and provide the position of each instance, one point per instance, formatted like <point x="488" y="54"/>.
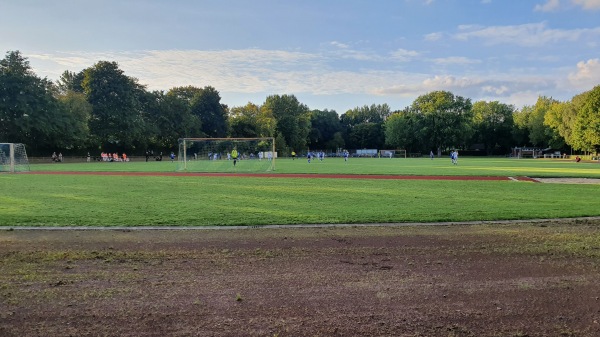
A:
<point x="44" y="199"/>
<point x="368" y="166"/>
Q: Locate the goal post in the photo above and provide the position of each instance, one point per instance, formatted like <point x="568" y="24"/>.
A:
<point x="392" y="153"/>
<point x="13" y="158"/>
<point x="254" y="155"/>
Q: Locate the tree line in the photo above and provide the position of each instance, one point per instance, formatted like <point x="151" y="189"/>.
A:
<point x="102" y="109"/>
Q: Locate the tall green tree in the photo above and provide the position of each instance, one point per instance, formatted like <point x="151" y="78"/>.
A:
<point x="532" y="118"/>
<point x="326" y="130"/>
<point x="586" y="127"/>
<point x="493" y="125"/>
<point x="249" y="121"/>
<point x="403" y="131"/>
<point x="117" y="122"/>
<point x="376" y="113"/>
<point x="561" y="118"/>
<point x="446" y="119"/>
<point x="169" y="118"/>
<point x="74" y="121"/>
<point x="292" y="121"/>
<point x="70" y="81"/>
<point x="186" y="93"/>
<point x="364" y="126"/>
<point x="22" y="96"/>
<point x="206" y="104"/>
<point x="520" y="133"/>
<point x="30" y="112"/>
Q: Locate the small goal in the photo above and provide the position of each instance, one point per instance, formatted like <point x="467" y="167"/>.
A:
<point x="13" y="158"/>
<point x="254" y="155"/>
<point x="392" y="153"/>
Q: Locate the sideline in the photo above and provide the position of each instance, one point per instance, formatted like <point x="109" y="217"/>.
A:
<point x="278" y="175"/>
<point x="397" y="224"/>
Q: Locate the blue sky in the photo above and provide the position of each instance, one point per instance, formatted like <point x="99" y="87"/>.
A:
<point x="330" y="54"/>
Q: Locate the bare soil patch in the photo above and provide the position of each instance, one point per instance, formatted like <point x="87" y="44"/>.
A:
<point x="526" y="279"/>
<point x="569" y="180"/>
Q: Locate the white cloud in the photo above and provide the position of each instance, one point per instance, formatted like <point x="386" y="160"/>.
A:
<point x="248" y="70"/>
<point x="550" y="5"/>
<point x="257" y="73"/>
<point x="495" y="90"/>
<point x="588" y="4"/>
<point x="339" y="44"/>
<point x="513" y="89"/>
<point x="526" y="35"/>
<point x="460" y="60"/>
<point x="404" y="55"/>
<point x="587" y="74"/>
<point x="486" y="1"/>
<point x="434" y="36"/>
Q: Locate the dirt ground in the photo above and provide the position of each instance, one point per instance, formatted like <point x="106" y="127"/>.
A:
<point x="525" y="279"/>
<point x="569" y="180"/>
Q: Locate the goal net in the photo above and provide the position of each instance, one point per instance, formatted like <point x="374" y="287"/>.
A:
<point x="392" y="153"/>
<point x="13" y="158"/>
<point x="254" y="155"/>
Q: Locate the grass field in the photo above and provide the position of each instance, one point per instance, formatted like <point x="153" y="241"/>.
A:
<point x="96" y="200"/>
<point x="414" y="166"/>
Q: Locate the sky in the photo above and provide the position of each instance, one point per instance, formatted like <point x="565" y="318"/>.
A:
<point x="330" y="54"/>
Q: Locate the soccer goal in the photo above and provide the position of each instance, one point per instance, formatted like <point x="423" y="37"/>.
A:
<point x="13" y="158"/>
<point x="241" y="155"/>
<point x="392" y="153"/>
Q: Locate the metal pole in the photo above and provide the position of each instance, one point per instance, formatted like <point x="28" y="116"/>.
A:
<point x="11" y="157"/>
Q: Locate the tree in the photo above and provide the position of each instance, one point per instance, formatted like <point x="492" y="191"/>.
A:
<point x="367" y="135"/>
<point x="206" y="104"/>
<point x="292" y="121"/>
<point x="70" y="81"/>
<point x="186" y="93"/>
<point x="586" y="127"/>
<point x="20" y="93"/>
<point x="445" y="119"/>
<point x="117" y="121"/>
<point x="366" y="114"/>
<point x="532" y="119"/>
<point x="325" y="125"/>
<point x="169" y="118"/>
<point x="402" y="131"/>
<point x="364" y="126"/>
<point x="561" y="118"/>
<point x="30" y="112"/>
<point x="520" y="134"/>
<point x="246" y="121"/>
<point x="74" y="124"/>
<point x="493" y="125"/>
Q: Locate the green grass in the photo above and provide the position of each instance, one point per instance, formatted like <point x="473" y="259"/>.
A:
<point x="94" y="200"/>
<point x="413" y="166"/>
